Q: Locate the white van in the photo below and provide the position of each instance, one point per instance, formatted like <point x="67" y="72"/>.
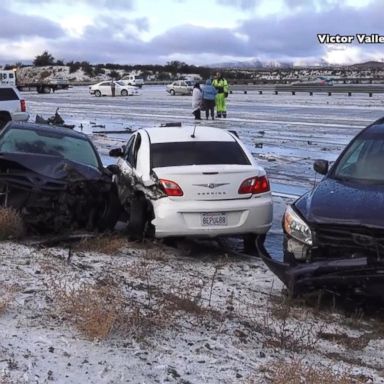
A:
<point x="134" y="80"/>
<point x="7" y="77"/>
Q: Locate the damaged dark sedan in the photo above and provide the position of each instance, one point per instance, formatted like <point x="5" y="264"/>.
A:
<point x="54" y="177"/>
<point x="334" y="234"/>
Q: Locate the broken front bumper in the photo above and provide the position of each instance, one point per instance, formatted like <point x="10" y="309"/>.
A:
<point x="360" y="275"/>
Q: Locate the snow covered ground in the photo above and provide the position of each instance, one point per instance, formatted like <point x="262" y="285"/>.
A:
<point x="119" y="312"/>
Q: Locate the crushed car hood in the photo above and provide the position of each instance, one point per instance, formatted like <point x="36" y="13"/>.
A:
<point x="340" y="202"/>
<point x="50" y="166"/>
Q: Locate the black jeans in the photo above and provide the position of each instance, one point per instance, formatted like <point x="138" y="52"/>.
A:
<point x="209" y="106"/>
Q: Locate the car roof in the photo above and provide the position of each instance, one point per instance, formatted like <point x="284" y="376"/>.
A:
<point x="47" y="128"/>
<point x="183" y="134"/>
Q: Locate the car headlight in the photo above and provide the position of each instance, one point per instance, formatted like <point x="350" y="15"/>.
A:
<point x="296" y="227"/>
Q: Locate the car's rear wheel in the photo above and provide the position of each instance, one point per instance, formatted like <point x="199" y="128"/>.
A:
<point x="172" y="92"/>
<point x="253" y="242"/>
<point x="97" y="93"/>
<point x="124" y="92"/>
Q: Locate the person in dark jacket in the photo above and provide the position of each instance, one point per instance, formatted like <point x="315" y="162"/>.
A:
<point x="209" y="94"/>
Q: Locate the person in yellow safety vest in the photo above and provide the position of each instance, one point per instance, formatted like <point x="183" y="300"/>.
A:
<point x="221" y="86"/>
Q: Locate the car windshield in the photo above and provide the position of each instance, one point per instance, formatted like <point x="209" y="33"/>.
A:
<point x="363" y="160"/>
<point x="48" y="143"/>
<point x="197" y="153"/>
<point x="119" y="82"/>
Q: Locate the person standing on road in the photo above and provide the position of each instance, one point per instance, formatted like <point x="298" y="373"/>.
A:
<point x="221" y="86"/>
<point x="197" y="99"/>
<point x="113" y="88"/>
<point x="209" y="94"/>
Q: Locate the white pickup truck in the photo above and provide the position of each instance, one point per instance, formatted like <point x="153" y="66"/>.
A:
<point x="12" y="105"/>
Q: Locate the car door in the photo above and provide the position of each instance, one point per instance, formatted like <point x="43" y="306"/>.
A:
<point x="177" y="87"/>
<point x="184" y="88"/>
<point x="105" y="88"/>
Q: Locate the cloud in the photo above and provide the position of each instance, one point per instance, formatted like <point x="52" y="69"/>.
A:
<point x="117" y="37"/>
<point x="16" y="26"/>
<point x="242" y="4"/>
<point x="296" y="34"/>
<point x="102" y="4"/>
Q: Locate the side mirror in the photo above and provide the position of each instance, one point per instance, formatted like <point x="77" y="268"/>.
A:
<point x="113" y="168"/>
<point x="321" y="166"/>
<point x="116" y="152"/>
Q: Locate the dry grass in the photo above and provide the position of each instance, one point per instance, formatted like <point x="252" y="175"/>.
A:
<point x="93" y="309"/>
<point x="297" y="372"/>
<point x="101" y="309"/>
<point x="108" y="244"/>
<point x="11" y="224"/>
<point x="290" y="326"/>
<point x="7" y="293"/>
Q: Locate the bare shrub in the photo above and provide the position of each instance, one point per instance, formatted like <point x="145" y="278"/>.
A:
<point x="297" y="372"/>
<point x="99" y="309"/>
<point x="11" y="224"/>
<point x="289" y="326"/>
<point x="93" y="309"/>
<point x="108" y="244"/>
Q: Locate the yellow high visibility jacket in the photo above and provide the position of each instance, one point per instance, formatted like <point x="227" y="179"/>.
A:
<point x="221" y="85"/>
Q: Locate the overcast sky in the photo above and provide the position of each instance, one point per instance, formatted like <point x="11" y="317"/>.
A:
<point x="194" y="31"/>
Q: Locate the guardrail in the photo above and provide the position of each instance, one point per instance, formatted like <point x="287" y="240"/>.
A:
<point x="310" y="89"/>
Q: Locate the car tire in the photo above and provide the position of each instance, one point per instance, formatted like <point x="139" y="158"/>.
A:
<point x="124" y="92"/>
<point x="138" y="218"/>
<point x="97" y="93"/>
<point x="252" y="242"/>
<point x="172" y="92"/>
<point x="109" y="213"/>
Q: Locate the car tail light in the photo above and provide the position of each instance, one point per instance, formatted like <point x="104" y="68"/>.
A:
<point x="254" y="185"/>
<point x="23" y="105"/>
<point x="171" y="188"/>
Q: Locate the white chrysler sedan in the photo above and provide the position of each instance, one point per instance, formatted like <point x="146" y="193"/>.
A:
<point x="192" y="181"/>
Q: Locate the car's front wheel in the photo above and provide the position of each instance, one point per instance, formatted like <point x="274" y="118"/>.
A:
<point x="138" y="217"/>
<point x="124" y="92"/>
<point x="97" y="93"/>
<point x="109" y="213"/>
<point x="172" y="92"/>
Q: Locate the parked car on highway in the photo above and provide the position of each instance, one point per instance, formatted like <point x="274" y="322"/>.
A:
<point x="134" y="80"/>
<point x="180" y="87"/>
<point x="334" y="234"/>
<point x="12" y="105"/>
<point x="54" y="177"/>
<point x="105" y="89"/>
<point x="192" y="181"/>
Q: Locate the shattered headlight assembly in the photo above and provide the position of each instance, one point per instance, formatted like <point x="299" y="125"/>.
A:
<point x="296" y="227"/>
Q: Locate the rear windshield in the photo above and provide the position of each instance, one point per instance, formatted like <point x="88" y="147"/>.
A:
<point x="197" y="153"/>
<point x="8" y="94"/>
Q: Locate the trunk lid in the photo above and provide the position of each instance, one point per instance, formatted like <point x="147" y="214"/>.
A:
<point x="207" y="182"/>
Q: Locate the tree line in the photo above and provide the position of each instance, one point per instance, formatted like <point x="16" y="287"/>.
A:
<point x="173" y="67"/>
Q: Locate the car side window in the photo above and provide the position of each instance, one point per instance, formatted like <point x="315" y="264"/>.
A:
<point x="132" y="150"/>
<point x="128" y="148"/>
<point x="135" y="150"/>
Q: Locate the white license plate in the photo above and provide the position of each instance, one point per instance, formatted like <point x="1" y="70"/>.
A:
<point x="213" y="219"/>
